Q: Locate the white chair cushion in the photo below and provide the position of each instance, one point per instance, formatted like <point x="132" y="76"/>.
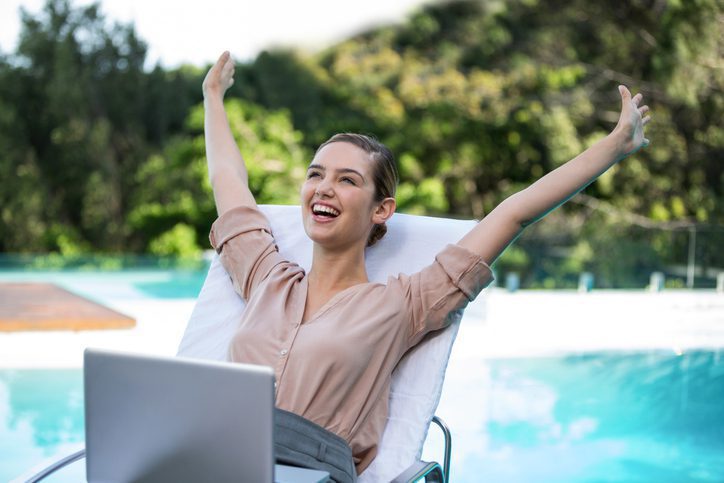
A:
<point x="410" y="244"/>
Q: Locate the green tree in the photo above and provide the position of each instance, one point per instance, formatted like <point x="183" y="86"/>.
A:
<point x="478" y="99"/>
<point x="80" y="115"/>
<point x="173" y="187"/>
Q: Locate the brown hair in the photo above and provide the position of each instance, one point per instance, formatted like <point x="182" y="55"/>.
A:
<point x="384" y="174"/>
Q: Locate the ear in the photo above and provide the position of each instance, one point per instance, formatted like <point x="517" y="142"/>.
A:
<point x="384" y="211"/>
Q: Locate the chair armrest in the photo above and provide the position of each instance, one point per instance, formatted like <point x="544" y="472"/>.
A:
<point x="431" y="472"/>
<point x="448" y="445"/>
<point x="36" y="474"/>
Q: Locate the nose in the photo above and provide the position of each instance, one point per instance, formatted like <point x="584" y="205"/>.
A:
<point x="324" y="188"/>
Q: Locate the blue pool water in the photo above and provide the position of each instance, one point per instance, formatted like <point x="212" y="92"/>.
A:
<point x="41" y="411"/>
<point x="130" y="283"/>
<point x="599" y="417"/>
<point x="603" y="417"/>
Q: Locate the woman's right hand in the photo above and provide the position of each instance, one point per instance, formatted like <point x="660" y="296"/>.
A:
<point x="219" y="78"/>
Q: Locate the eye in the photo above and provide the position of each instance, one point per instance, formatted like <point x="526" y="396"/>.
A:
<point x="348" y="180"/>
<point x="313" y="174"/>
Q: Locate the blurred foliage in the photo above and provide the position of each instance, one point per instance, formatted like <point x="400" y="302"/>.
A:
<point x="179" y="241"/>
<point x="478" y="99"/>
<point x="173" y="186"/>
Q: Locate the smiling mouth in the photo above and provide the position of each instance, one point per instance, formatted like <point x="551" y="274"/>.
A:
<point x="324" y="211"/>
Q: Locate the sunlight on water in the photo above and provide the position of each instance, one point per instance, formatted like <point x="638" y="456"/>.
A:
<point x="41" y="413"/>
<point x="599" y="417"/>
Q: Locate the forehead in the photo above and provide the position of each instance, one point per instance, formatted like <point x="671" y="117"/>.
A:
<point x="339" y="155"/>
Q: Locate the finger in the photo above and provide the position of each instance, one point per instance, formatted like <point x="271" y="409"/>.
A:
<point x="637" y="98"/>
<point x="643" y="110"/>
<point x="645" y="142"/>
<point x="645" y="120"/>
<point x="625" y="93"/>
<point x="625" y="97"/>
<point x="223" y="58"/>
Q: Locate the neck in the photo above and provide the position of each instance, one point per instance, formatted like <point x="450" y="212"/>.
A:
<point x="337" y="269"/>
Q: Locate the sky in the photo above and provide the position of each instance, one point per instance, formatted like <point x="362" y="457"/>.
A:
<point x="195" y="32"/>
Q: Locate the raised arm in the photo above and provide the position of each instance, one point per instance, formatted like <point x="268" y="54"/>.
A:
<point x="508" y="220"/>
<point x="227" y="171"/>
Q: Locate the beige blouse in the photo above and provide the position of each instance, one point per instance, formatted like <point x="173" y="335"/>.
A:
<point x="335" y="369"/>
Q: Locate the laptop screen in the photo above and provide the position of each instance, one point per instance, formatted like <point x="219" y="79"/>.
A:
<point x="151" y="418"/>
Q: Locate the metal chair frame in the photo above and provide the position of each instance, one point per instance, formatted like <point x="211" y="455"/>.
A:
<point x="430" y="472"/>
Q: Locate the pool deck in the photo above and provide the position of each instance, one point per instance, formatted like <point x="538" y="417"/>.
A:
<point x="46" y="306"/>
<point x="499" y="324"/>
<point x="545" y="323"/>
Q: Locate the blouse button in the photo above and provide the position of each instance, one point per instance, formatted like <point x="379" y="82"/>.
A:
<point x="283" y="352"/>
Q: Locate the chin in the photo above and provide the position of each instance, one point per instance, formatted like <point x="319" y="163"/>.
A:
<point x="315" y="236"/>
<point x="323" y="240"/>
<point x="326" y="240"/>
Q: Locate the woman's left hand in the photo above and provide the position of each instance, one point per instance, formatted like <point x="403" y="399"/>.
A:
<point x="630" y="127"/>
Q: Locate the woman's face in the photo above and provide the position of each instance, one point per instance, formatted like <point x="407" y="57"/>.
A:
<point x="338" y="207"/>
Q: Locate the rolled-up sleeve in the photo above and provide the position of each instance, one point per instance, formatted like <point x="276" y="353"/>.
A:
<point x="455" y="278"/>
<point x="243" y="239"/>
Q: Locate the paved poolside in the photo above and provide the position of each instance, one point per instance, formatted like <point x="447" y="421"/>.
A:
<point x="498" y="324"/>
<point x="30" y="306"/>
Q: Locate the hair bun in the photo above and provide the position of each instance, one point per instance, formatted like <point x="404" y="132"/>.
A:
<point x="378" y="231"/>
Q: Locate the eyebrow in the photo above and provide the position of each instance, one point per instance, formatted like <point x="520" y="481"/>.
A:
<point x="340" y="170"/>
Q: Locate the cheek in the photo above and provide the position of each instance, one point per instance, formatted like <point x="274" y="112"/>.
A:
<point x="370" y="202"/>
<point x="304" y="191"/>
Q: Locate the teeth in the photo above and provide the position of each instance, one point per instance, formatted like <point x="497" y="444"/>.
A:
<point x="325" y="209"/>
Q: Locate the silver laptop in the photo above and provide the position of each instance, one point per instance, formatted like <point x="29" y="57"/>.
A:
<point x="159" y="419"/>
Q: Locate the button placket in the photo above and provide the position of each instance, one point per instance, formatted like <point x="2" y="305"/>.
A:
<point x="284" y="351"/>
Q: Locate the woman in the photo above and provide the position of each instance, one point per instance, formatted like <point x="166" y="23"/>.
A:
<point x="332" y="337"/>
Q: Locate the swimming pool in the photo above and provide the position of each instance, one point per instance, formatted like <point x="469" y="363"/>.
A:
<point x="606" y="416"/>
<point x="611" y="416"/>
<point x="120" y="284"/>
<point x="522" y="399"/>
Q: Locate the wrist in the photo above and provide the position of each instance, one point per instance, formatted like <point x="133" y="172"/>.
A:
<point x="213" y="99"/>
<point x="616" y="141"/>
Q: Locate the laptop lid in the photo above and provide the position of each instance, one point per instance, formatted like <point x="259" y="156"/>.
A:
<point x="152" y="418"/>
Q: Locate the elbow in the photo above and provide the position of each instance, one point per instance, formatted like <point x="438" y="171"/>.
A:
<point x="513" y="207"/>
